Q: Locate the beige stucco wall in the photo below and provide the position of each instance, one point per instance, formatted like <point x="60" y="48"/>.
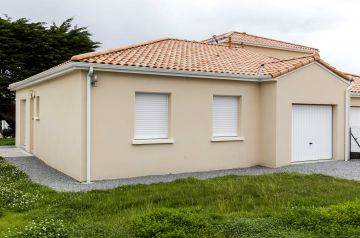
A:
<point x="265" y="121"/>
<point x="355" y="101"/>
<point x="306" y="86"/>
<point x="57" y="136"/>
<point x="267" y="149"/>
<point x="114" y="155"/>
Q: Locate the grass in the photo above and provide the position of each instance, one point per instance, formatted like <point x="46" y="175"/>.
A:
<point x="7" y="141"/>
<point x="277" y="205"/>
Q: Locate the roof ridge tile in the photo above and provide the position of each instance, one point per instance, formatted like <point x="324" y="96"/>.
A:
<point x="281" y="41"/>
<point x="315" y="56"/>
<point x="287" y="43"/>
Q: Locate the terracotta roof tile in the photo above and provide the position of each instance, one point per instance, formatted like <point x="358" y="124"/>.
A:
<point x="195" y="56"/>
<point x="356" y="87"/>
<point x="244" y="38"/>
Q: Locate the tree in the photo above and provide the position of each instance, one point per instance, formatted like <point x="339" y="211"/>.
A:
<point x="28" y="48"/>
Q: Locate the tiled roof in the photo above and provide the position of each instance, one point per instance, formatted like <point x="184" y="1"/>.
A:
<point x="187" y="55"/>
<point x="244" y="38"/>
<point x="356" y="87"/>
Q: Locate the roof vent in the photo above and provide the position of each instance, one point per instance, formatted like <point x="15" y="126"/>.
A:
<point x="215" y="39"/>
<point x="261" y="70"/>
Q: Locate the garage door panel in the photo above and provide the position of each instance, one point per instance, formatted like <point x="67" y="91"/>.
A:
<point x="355" y="129"/>
<point x="311" y="132"/>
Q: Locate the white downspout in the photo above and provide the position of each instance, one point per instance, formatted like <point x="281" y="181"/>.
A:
<point x="347" y="127"/>
<point x="88" y="123"/>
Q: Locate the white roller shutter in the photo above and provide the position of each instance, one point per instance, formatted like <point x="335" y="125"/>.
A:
<point x="151" y="116"/>
<point x="225" y="116"/>
<point x="311" y="132"/>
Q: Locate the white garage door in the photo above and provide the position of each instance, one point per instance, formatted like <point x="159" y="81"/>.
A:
<point x="311" y="132"/>
<point x="355" y="117"/>
<point x="355" y="128"/>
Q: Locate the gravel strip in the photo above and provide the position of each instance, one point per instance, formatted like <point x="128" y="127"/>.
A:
<point x="12" y="151"/>
<point x="41" y="173"/>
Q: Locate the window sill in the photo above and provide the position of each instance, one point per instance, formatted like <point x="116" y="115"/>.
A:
<point x="153" y="141"/>
<point x="230" y="138"/>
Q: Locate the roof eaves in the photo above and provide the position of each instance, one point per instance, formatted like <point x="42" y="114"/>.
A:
<point x="336" y="71"/>
<point x="175" y="72"/>
<point x="355" y="93"/>
<point x="50" y="73"/>
<point x="65" y="68"/>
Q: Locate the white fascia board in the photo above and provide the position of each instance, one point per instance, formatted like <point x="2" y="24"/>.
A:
<point x="347" y="82"/>
<point x="179" y="73"/>
<point x="63" y="69"/>
<point x="355" y="95"/>
<point x="44" y="76"/>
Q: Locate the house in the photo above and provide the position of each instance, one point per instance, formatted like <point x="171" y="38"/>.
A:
<point x="172" y="106"/>
<point x="282" y="50"/>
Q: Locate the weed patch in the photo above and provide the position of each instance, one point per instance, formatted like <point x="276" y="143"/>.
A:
<point x="167" y="222"/>
<point x="274" y="205"/>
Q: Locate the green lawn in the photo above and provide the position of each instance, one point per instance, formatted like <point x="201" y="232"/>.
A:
<point x="278" y="205"/>
<point x="7" y="141"/>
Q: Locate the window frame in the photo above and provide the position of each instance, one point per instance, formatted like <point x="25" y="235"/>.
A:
<point x="237" y="136"/>
<point x="140" y="140"/>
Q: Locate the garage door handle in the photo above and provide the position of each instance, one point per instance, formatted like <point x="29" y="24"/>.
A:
<point x="310" y="143"/>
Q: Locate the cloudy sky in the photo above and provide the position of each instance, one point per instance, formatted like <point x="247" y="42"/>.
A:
<point x="330" y="25"/>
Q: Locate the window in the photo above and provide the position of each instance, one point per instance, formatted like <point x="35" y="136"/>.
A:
<point x="225" y="116"/>
<point x="151" y="116"/>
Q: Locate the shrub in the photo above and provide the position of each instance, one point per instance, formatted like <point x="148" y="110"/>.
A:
<point x="10" y="172"/>
<point x="47" y="228"/>
<point x="8" y="132"/>
<point x="341" y="220"/>
<point x="173" y="223"/>
<point x="241" y="227"/>
<point x="99" y="231"/>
